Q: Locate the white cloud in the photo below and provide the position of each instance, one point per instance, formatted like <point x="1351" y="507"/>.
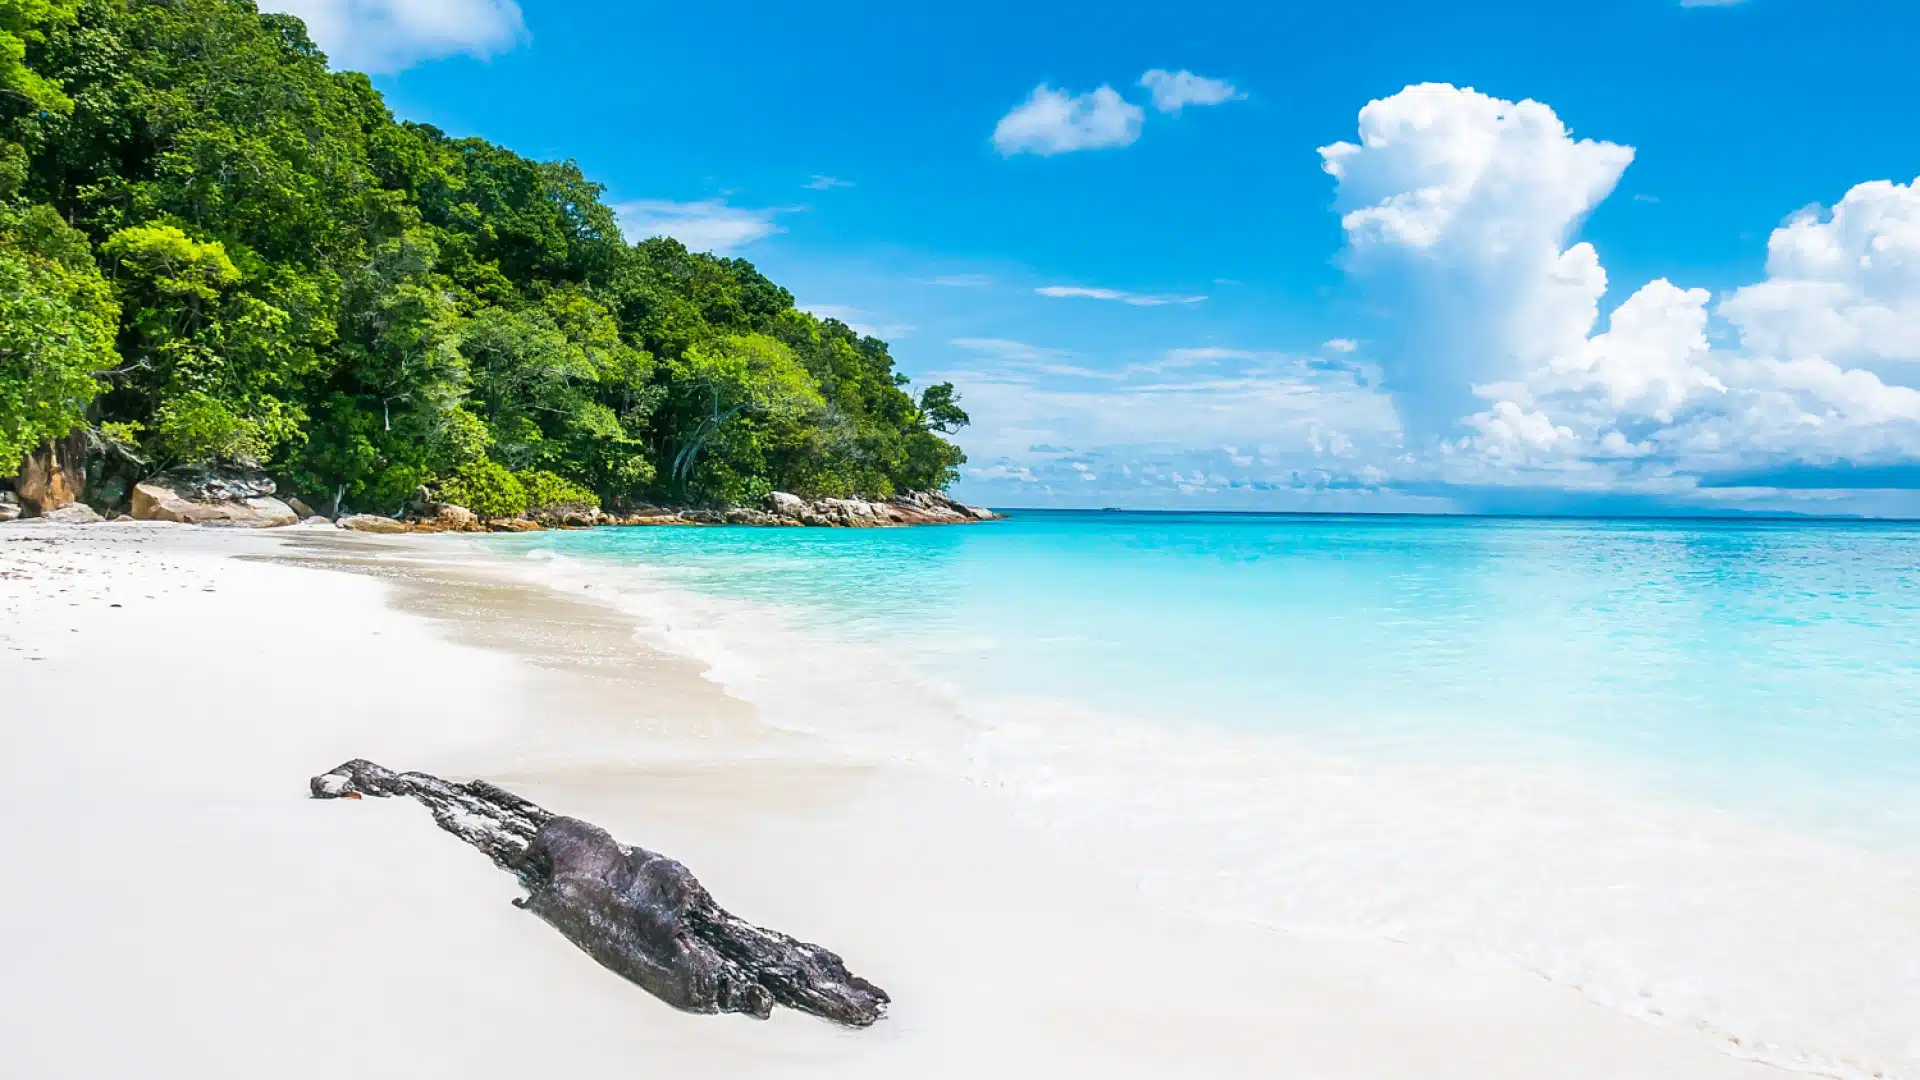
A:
<point x="826" y="183"/>
<point x="864" y="323"/>
<point x="384" y="36"/>
<point x="1459" y="211"/>
<point x="1175" y="90"/>
<point x="1340" y="345"/>
<point x="707" y="225"/>
<point x="1843" y="285"/>
<point x="1054" y="122"/>
<point x="1081" y="292"/>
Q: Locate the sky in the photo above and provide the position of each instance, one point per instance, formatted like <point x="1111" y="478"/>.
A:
<point x="1631" y="256"/>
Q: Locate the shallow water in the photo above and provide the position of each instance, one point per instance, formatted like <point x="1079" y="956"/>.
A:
<point x="1670" y="763"/>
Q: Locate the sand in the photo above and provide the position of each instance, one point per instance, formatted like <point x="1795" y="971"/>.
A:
<point x="174" y="906"/>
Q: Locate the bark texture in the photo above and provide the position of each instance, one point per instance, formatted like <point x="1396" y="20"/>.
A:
<point x="640" y="914"/>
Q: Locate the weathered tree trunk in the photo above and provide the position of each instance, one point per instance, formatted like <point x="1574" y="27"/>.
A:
<point x="641" y="915"/>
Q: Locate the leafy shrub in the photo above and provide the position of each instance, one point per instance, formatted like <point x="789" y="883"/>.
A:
<point x="487" y="489"/>
<point x="549" y="491"/>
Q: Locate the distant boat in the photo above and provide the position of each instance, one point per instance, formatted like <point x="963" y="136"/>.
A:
<point x="1111" y="510"/>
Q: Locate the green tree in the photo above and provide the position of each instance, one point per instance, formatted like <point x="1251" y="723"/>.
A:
<point x="57" y="319"/>
<point x="748" y="375"/>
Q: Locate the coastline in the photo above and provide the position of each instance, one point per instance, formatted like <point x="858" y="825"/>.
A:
<point x="311" y="937"/>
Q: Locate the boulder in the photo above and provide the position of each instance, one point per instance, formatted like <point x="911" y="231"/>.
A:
<point x="301" y="508"/>
<point x="54" y="475"/>
<point x="513" y="525"/>
<point x="783" y="504"/>
<point x="72" y="514"/>
<point x="317" y="522"/>
<point x="217" y="485"/>
<point x="447" y="517"/>
<point x="153" y="501"/>
<point x="9" y="512"/>
<point x="372" y="523"/>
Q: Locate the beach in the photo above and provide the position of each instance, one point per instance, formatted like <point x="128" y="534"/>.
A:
<point x="180" y="907"/>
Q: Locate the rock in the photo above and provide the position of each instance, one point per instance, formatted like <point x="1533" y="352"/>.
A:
<point x="217" y="485"/>
<point x="447" y="517"/>
<point x="9" y="512"/>
<point x="155" y="502"/>
<point x="301" y="508"/>
<point x="513" y="525"/>
<point x="786" y="505"/>
<point x="642" y="915"/>
<point x="372" y="523"/>
<point x="122" y="518"/>
<point x="317" y="522"/>
<point x="54" y="475"/>
<point x="72" y="514"/>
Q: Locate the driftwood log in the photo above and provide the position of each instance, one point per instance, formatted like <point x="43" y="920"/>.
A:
<point x="641" y="915"/>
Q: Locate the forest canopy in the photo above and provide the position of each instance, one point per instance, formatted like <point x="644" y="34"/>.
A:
<point x="215" y="251"/>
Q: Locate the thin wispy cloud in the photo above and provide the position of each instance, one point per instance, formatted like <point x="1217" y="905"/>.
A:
<point x="1340" y="345"/>
<point x="385" y="36"/>
<point x="1053" y="122"/>
<point x="959" y="281"/>
<point x="1007" y="349"/>
<point x="826" y="183"/>
<point x="1082" y="292"/>
<point x="861" y="322"/>
<point x="706" y="225"/>
<point x="1175" y="90"/>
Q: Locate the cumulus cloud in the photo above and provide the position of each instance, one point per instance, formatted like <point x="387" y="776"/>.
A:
<point x="384" y="36"/>
<point x="1460" y="211"/>
<point x="1055" y="122"/>
<point x="1175" y="90"/>
<point x="707" y="225"/>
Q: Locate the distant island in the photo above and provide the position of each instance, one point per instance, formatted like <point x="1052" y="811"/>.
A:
<point x="214" y="252"/>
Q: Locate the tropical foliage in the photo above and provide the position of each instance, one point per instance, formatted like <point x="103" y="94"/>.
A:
<point x="215" y="250"/>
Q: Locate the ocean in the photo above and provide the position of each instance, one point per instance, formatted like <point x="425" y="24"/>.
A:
<point x="1673" y="765"/>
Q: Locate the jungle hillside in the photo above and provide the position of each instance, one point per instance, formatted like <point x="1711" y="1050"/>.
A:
<point x="216" y="252"/>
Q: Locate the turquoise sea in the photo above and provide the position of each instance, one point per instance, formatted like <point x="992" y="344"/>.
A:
<point x="1673" y="764"/>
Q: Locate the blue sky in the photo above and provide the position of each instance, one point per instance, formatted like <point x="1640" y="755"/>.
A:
<point x="1640" y="265"/>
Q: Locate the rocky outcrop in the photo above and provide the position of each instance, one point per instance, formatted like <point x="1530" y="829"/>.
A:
<point x="232" y="498"/>
<point x="642" y="915"/>
<point x="446" y="517"/>
<point x="373" y="523"/>
<point x="54" y="475"/>
<point x="10" y="506"/>
<point x="913" y="508"/>
<point x="159" y="501"/>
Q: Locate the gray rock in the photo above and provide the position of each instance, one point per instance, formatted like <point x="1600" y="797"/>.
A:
<point x="156" y="502"/>
<point x="372" y="523"/>
<point x="217" y="485"/>
<point x="301" y="508"/>
<point x="9" y="512"/>
<point x="72" y="514"/>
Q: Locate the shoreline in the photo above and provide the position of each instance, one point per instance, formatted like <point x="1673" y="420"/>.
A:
<point x="378" y="940"/>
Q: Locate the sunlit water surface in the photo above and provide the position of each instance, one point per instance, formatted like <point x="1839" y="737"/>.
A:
<point x="1674" y="764"/>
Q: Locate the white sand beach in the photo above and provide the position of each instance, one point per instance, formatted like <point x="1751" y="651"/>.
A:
<point x="176" y="906"/>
